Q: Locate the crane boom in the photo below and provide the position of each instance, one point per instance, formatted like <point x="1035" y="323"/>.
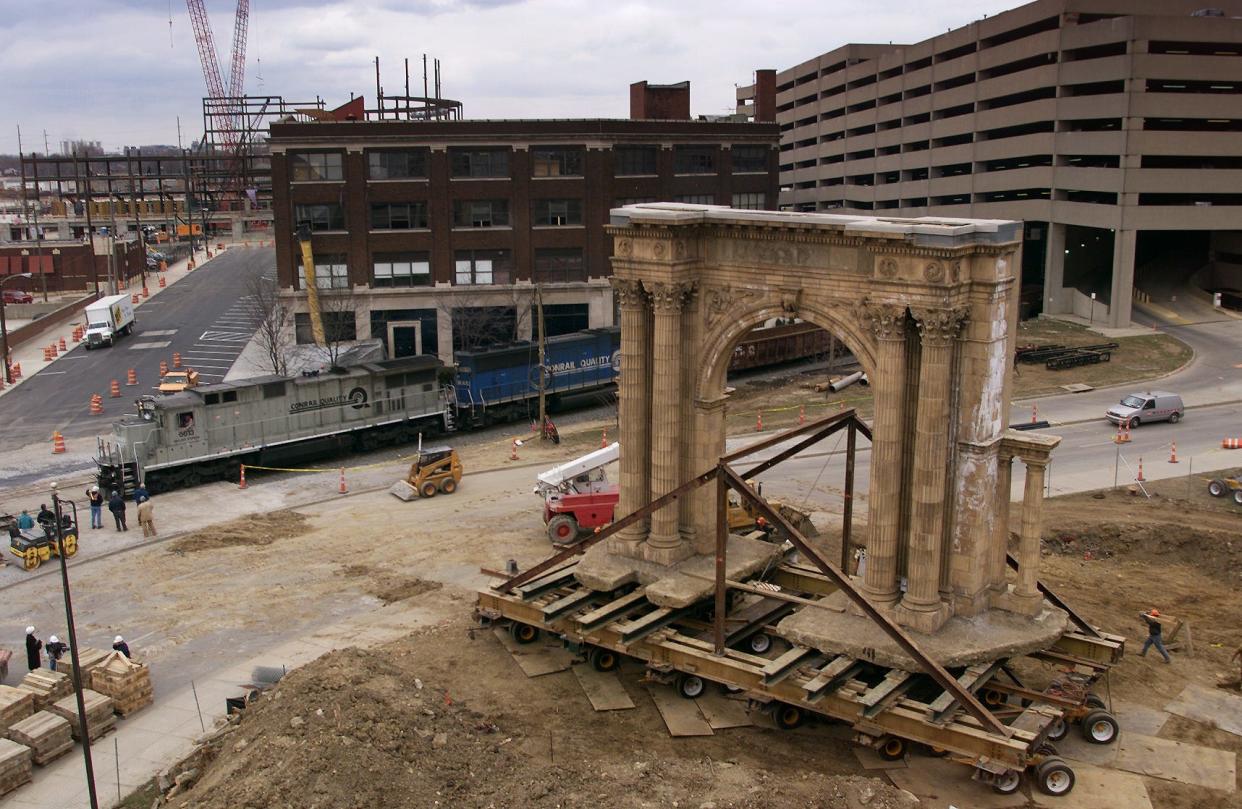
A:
<point x="237" y="72"/>
<point x="206" y="47"/>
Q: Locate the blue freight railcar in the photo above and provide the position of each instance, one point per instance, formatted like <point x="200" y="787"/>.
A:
<point x="498" y="384"/>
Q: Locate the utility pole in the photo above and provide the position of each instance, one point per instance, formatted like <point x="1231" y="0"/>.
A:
<point x="90" y="228"/>
<point x="133" y="200"/>
<point x="543" y="372"/>
<point x="21" y="159"/>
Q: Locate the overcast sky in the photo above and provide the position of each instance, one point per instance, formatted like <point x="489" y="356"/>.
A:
<point x="115" y="71"/>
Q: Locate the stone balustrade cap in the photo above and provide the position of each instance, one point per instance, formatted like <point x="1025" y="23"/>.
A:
<point x="926" y="231"/>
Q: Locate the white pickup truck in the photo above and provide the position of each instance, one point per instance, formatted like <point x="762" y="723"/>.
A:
<point x="107" y="319"/>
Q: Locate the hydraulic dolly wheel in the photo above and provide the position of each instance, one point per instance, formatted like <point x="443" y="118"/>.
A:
<point x="1095" y="701"/>
<point x="1007" y="783"/>
<point x="604" y="659"/>
<point x="1100" y="727"/>
<point x="690" y="686"/>
<point x="892" y="748"/>
<point x="524" y="633"/>
<point x="760" y="642"/>
<point x="1058" y="730"/>
<point x="789" y="717"/>
<point x="1054" y="777"/>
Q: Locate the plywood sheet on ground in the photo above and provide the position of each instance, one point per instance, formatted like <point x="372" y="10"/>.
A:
<point x="939" y="784"/>
<point x="1099" y="788"/>
<point x="603" y="689"/>
<point x="1210" y="706"/>
<point x="871" y="760"/>
<point x="723" y="713"/>
<point x="1136" y="718"/>
<point x="1177" y="761"/>
<point x="535" y="659"/>
<point x="1078" y="749"/>
<point x="681" y="716"/>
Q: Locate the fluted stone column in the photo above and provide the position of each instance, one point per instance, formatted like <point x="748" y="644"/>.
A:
<point x="635" y="409"/>
<point x="888" y="323"/>
<point x="1000" y="534"/>
<point x="688" y="357"/>
<point x="1026" y="598"/>
<point x="664" y="542"/>
<point x="922" y="608"/>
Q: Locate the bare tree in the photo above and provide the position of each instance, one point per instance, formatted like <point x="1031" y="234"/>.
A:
<point x="274" y="315"/>
<point x="495" y="315"/>
<point x="338" y="310"/>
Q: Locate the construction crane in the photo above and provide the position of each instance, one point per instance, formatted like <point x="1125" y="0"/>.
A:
<point x="206" y="43"/>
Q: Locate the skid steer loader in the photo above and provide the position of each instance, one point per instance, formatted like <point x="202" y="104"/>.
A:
<point x="435" y="469"/>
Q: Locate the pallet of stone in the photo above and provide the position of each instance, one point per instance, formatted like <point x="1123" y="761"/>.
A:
<point x="46" y="734"/>
<point x="99" y="716"/>
<point x="47" y="686"/>
<point x="15" y="705"/>
<point x="16" y="764"/>
<point x="128" y="683"/>
<point x="88" y="658"/>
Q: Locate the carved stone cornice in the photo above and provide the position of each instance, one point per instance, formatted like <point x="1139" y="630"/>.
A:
<point x="887" y="321"/>
<point x="671" y="297"/>
<point x="629" y="294"/>
<point x="938" y="326"/>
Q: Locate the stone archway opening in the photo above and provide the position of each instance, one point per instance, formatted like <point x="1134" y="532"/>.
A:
<point x="927" y="306"/>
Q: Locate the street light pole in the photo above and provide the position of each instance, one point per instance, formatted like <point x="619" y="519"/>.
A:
<point x="73" y="641"/>
<point x="4" y="328"/>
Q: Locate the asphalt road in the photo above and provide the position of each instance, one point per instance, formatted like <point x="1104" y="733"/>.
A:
<point x="206" y="317"/>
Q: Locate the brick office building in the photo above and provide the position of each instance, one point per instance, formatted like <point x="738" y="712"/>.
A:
<point x="1110" y="126"/>
<point x="442" y="229"/>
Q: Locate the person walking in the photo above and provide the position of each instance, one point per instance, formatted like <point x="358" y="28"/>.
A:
<point x="55" y="649"/>
<point x="146" y="517"/>
<point x="119" y="645"/>
<point x="1155" y="634"/>
<point x="97" y="502"/>
<point x="34" y="649"/>
<point x="116" y="504"/>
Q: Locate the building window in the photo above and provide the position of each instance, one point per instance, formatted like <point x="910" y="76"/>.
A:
<point x="556" y="162"/>
<point x="316" y="166"/>
<point x="476" y="327"/>
<point x="635" y="160"/>
<point x="696" y="199"/>
<point x="480" y="213"/>
<point x="338" y="327"/>
<point x="479" y="162"/>
<point x="750" y="201"/>
<point x="562" y="318"/>
<point x="401" y="270"/>
<point x="482" y="267"/>
<point x="556" y="212"/>
<point x="329" y="216"/>
<point x="559" y="265"/>
<point x="694" y="159"/>
<point x="750" y="159"/>
<point x="331" y="272"/>
<point x="404" y="165"/>
<point x="398" y="215"/>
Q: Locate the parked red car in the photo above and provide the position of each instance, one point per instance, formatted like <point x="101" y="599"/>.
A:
<point x="17" y="296"/>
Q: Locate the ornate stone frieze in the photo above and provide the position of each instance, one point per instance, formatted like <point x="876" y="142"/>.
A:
<point x="630" y="294"/>
<point x="887" y="321"/>
<point x="938" y="325"/>
<point x="671" y="297"/>
<point x="724" y="298"/>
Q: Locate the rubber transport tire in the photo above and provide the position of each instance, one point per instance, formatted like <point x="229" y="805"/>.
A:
<point x="690" y="686"/>
<point x="1046" y="749"/>
<point x="1095" y="701"/>
<point x="524" y="633"/>
<point x="1134" y="423"/>
<point x="1217" y="487"/>
<point x="1237" y="497"/>
<point x="1058" y="731"/>
<point x="1100" y="727"/>
<point x="892" y="748"/>
<point x="760" y="642"/>
<point x="935" y="752"/>
<point x="428" y="490"/>
<point x="448" y="486"/>
<point x="1054" y="777"/>
<point x="604" y="660"/>
<point x="562" y="529"/>
<point x="992" y="698"/>
<point x="1175" y="418"/>
<point x="788" y="717"/>
<point x="1008" y="783"/>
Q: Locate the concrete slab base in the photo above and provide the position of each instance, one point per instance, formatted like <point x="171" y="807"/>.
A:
<point x="679" y="584"/>
<point x="960" y="642"/>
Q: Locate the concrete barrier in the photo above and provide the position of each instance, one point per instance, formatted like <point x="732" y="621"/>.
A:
<point x="62" y="315"/>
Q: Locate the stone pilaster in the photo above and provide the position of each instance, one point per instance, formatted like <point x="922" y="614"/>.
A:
<point x="688" y="357"/>
<point x="1026" y="598"/>
<point x="708" y="440"/>
<point x="922" y="608"/>
<point x="888" y="323"/>
<point x="664" y="542"/>
<point x="634" y="411"/>
<point x="1000" y="535"/>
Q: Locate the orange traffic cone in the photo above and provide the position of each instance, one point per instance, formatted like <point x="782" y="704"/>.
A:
<point x="513" y="456"/>
<point x="1231" y="443"/>
<point x="47" y="354"/>
<point x="96" y="405"/>
<point x="759" y="422"/>
<point x="603" y="442"/>
<point x="131" y="377"/>
<point x="77" y="335"/>
<point x="343" y="489"/>
<point x="802" y="414"/>
<point x="176" y="359"/>
<point x="58" y="443"/>
<point x="1140" y="477"/>
<point x="17" y="370"/>
<point x="116" y="389"/>
<point x="134" y="298"/>
<point x="52" y="350"/>
<point x="163" y="368"/>
<point x="242" y="483"/>
<point x="63" y="347"/>
<point x="1173" y="453"/>
<point x="1034" y="413"/>
<point x="163" y="283"/>
<point x="146" y="293"/>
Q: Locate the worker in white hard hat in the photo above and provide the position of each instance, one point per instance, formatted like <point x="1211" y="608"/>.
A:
<point x="55" y="650"/>
<point x="34" y="649"/>
<point x="97" y="502"/>
<point x="119" y="644"/>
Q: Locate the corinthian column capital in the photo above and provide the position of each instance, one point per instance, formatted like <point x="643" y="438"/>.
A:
<point x="671" y="297"/>
<point x="630" y="294"/>
<point x="937" y="325"/>
<point x="887" y="321"/>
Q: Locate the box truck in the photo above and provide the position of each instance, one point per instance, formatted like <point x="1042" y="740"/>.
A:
<point x="107" y="319"/>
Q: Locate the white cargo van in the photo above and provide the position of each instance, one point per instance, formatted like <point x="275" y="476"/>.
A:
<point x="1144" y="408"/>
<point x="107" y="319"/>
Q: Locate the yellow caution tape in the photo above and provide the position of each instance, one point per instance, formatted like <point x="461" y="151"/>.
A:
<point x="334" y="469"/>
